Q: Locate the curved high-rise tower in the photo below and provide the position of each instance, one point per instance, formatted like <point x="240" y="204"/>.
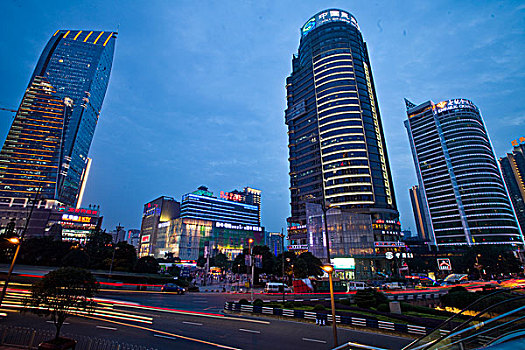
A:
<point x="47" y="147"/>
<point x="337" y="146"/>
<point x="464" y="194"/>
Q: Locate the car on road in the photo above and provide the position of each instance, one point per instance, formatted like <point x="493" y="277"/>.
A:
<point x="274" y="287"/>
<point x="172" y="287"/>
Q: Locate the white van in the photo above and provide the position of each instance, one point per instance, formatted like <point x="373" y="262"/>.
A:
<point x="353" y="285"/>
<point x="276" y="287"/>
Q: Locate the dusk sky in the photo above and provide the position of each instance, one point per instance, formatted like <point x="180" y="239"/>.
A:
<point x="197" y="91"/>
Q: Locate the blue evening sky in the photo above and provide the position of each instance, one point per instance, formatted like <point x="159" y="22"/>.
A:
<point x="197" y="91"/>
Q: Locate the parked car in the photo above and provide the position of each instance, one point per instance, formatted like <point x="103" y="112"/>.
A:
<point x="172" y="287"/>
<point x="392" y="285"/>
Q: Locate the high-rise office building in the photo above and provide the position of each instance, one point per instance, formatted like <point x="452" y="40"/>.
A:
<point x="156" y="212"/>
<point x="47" y="146"/>
<point x="420" y="214"/>
<point x="464" y="193"/>
<point x="337" y="149"/>
<point x="513" y="169"/>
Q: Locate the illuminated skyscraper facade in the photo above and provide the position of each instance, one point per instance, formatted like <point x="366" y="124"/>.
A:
<point x="464" y="192"/>
<point x="57" y="119"/>
<point x="337" y="149"/>
<point x="513" y="169"/>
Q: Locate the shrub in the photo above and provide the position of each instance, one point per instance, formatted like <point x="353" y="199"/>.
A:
<point x="368" y="298"/>
<point x="298" y="303"/>
<point x="319" y="307"/>
<point x="258" y="302"/>
<point x="458" y="299"/>
<point x="193" y="289"/>
<point x="288" y="304"/>
<point x="383" y="308"/>
<point x="244" y="302"/>
<point x="346" y="302"/>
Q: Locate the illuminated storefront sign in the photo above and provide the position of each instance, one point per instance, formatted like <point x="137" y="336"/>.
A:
<point x="453" y="104"/>
<point x="389" y="244"/>
<point x="343" y="263"/>
<point x="391" y="222"/>
<point x="298" y="247"/>
<point x="231" y="196"/>
<point x="145" y="239"/>
<point x="391" y="255"/>
<point x="328" y="16"/>
<point x="77" y="211"/>
<point x="298" y="227"/>
<point x="238" y="227"/>
<point x="76" y="218"/>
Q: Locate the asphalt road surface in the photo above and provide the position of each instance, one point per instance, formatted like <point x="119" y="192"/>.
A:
<point x="195" y="321"/>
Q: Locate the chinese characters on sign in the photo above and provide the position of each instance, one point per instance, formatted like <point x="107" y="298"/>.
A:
<point x="519" y="141"/>
<point x="231" y="196"/>
<point x="328" y="16"/>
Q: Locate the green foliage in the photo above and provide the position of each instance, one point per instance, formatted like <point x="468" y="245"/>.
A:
<point x="221" y="260"/>
<point x="319" y="307"/>
<point x="61" y="292"/>
<point x="125" y="257"/>
<point x="76" y="258"/>
<point x="289" y="304"/>
<point x="458" y="299"/>
<point x="238" y="265"/>
<point x="289" y="260"/>
<point x="346" y="302"/>
<point x="147" y="264"/>
<point x="43" y="251"/>
<point x="313" y="264"/>
<point x="244" y="302"/>
<point x="368" y="298"/>
<point x="422" y="309"/>
<point x="258" y="302"/>
<point x="181" y="282"/>
<point x="383" y="307"/>
<point x="457" y="289"/>
<point x="99" y="249"/>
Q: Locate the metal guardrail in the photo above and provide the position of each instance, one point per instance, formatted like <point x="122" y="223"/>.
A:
<point x="350" y="346"/>
<point x="28" y="338"/>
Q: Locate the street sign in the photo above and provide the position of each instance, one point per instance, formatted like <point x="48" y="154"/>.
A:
<point x="444" y="264"/>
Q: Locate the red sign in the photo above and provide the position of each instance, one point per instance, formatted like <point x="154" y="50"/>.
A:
<point x="78" y="211"/>
<point x="444" y="264"/>
<point x="145" y="239"/>
<point x="231" y="196"/>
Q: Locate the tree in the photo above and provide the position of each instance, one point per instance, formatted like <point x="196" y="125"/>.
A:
<point x="61" y="293"/>
<point x="125" y="257"/>
<point x="221" y="260"/>
<point x="289" y="259"/>
<point x="147" y="264"/>
<point x="238" y="265"/>
<point x="99" y="249"/>
<point x="76" y="258"/>
<point x="313" y="264"/>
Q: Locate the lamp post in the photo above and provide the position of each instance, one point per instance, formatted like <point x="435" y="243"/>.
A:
<point x="282" y="258"/>
<point x="16" y="241"/>
<point x="250" y="241"/>
<point x="330" y="269"/>
<point x="238" y="277"/>
<point x="112" y="258"/>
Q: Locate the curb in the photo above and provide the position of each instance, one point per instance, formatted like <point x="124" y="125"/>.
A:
<point x="344" y="320"/>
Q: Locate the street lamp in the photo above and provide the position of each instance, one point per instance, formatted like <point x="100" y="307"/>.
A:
<point x="250" y="241"/>
<point x="282" y="258"/>
<point x="112" y="258"/>
<point x="15" y="241"/>
<point x="329" y="269"/>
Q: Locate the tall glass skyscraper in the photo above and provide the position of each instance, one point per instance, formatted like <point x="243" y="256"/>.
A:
<point x="464" y="194"/>
<point x="337" y="149"/>
<point x="48" y="144"/>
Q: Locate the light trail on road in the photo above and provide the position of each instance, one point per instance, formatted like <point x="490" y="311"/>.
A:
<point x="167" y="333"/>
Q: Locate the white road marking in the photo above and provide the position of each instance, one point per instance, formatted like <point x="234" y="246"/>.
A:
<point x="164" y="336"/>
<point x="192" y="323"/>
<point x="110" y="328"/>
<point x="249" y="330"/>
<point x="315" y="340"/>
<point x="52" y="322"/>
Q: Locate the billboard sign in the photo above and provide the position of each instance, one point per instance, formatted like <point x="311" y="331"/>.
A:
<point x="444" y="264"/>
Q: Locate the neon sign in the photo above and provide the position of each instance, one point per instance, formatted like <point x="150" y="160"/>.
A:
<point x="328" y="16"/>
<point x="76" y="218"/>
<point x="145" y="239"/>
<point x="77" y="211"/>
<point x="453" y="104"/>
<point x="519" y="141"/>
<point x="231" y="196"/>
